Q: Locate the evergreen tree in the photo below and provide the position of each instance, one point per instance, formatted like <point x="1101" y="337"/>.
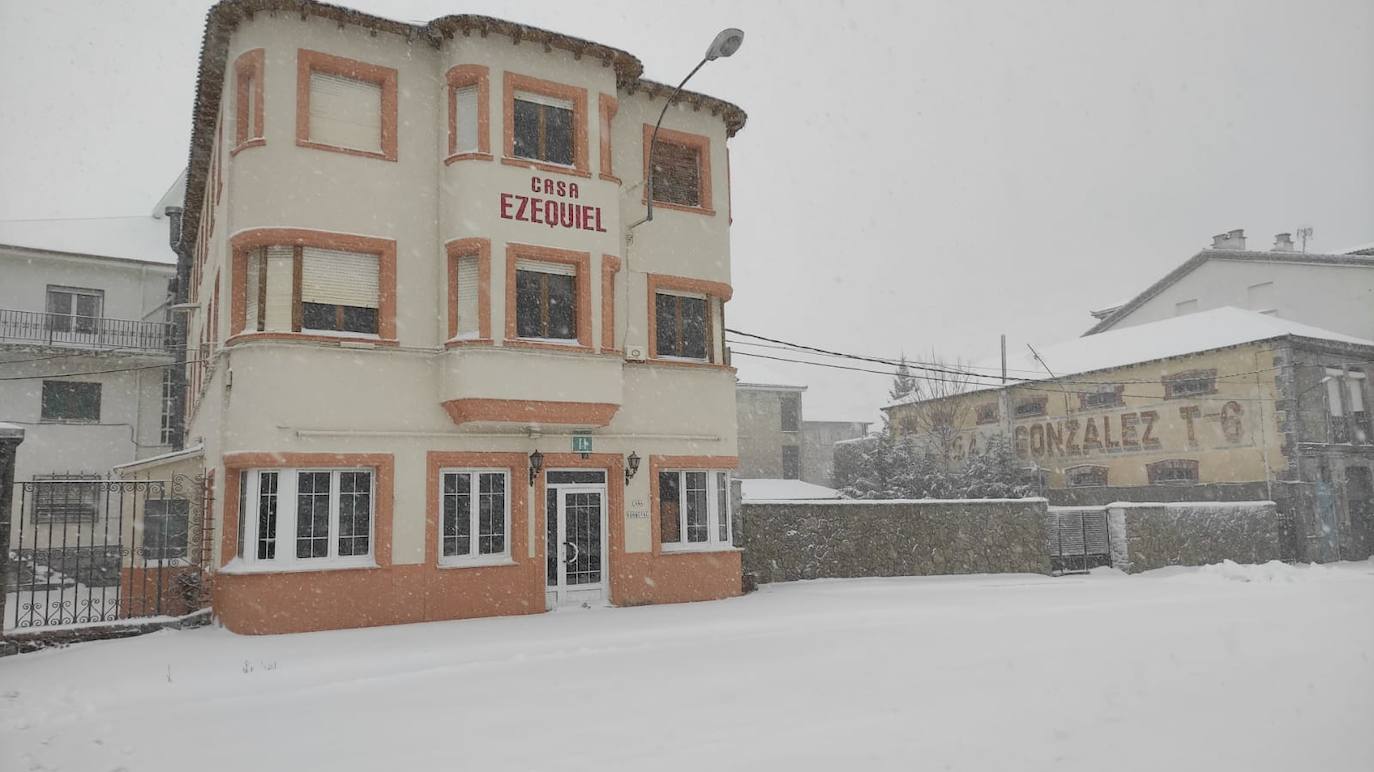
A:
<point x="903" y="383"/>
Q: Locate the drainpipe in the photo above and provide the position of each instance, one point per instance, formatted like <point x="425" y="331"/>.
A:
<point x="179" y="294"/>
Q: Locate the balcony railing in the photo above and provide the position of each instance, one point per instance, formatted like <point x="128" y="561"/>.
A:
<point x="89" y="332"/>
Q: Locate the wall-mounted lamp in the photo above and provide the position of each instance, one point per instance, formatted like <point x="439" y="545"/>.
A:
<point x="631" y="466"/>
<point x="536" y="463"/>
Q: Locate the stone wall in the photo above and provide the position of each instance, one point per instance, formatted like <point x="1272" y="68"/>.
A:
<point x="814" y="539"/>
<point x="1194" y="533"/>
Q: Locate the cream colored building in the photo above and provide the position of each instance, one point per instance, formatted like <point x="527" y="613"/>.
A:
<point x="1219" y="404"/>
<point x="418" y="292"/>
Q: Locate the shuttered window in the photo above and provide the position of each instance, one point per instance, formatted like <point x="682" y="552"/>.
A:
<point x="545" y="300"/>
<point x="677" y="174"/>
<point x="339" y="290"/>
<point x="467" y="293"/>
<point x="345" y="112"/>
<point x="465" y="113"/>
<point x="278" y="296"/>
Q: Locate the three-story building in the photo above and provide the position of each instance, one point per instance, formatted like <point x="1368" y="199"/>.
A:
<point x="437" y="371"/>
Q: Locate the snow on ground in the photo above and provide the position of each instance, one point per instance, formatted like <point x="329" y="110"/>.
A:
<point x="784" y="490"/>
<point x="1224" y="667"/>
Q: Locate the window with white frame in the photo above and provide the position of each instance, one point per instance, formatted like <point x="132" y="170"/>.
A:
<point x="465" y="115"/>
<point x="306" y="517"/>
<point x="468" y="293"/>
<point x="74" y="309"/>
<point x="694" y="509"/>
<point x="475" y="508"/>
<point x="339" y="291"/>
<point x="345" y="112"/>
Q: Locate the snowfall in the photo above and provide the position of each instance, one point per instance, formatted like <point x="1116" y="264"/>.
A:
<point x="1215" y="668"/>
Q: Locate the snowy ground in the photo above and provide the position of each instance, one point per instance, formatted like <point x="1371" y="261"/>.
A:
<point x="1225" y="667"/>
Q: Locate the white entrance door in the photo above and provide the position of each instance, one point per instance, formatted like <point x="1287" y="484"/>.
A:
<point x="576" y="560"/>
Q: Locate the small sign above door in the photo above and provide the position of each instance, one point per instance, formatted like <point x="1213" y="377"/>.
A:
<point x="582" y="443"/>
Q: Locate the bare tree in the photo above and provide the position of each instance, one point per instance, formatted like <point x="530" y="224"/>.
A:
<point x="942" y="416"/>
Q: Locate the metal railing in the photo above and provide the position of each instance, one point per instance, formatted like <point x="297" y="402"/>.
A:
<point x="93" y="332"/>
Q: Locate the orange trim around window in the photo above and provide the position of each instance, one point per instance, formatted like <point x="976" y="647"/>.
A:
<point x="702" y="144"/>
<point x="582" y="261"/>
<point x="610" y="266"/>
<point x="608" y="108"/>
<point x="383" y="465"/>
<point x="481" y="249"/>
<point x="248" y="71"/>
<point x="462" y="76"/>
<point x="244" y="242"/>
<point x="514" y="82"/>
<point x="711" y="289"/>
<point x="308" y="61"/>
<point x="664" y="463"/>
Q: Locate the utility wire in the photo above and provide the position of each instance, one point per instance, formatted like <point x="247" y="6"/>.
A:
<point x="99" y="372"/>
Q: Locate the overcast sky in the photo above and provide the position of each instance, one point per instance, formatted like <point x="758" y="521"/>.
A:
<point x="915" y="176"/>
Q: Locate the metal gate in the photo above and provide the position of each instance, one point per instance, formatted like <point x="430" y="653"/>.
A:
<point x="85" y="550"/>
<point x="1080" y="539"/>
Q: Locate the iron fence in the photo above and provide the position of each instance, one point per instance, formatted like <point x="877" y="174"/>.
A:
<point x="85" y="551"/>
<point x="1080" y="540"/>
<point x="95" y="332"/>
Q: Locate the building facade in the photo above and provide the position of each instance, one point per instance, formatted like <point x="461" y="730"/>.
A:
<point x="1331" y="291"/>
<point x="84" y="338"/>
<point x="441" y="372"/>
<point x="818" y="447"/>
<point x="1225" y="404"/>
<point x="770" y="431"/>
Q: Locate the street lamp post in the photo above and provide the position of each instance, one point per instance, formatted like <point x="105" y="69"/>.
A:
<point x="726" y="43"/>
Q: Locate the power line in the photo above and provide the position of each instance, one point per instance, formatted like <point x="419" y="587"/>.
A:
<point x="99" y="372"/>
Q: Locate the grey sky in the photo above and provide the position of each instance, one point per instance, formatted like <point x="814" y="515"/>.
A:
<point x="914" y="175"/>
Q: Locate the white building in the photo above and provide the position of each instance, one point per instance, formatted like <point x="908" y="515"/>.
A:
<point x="1331" y="291"/>
<point x="84" y="341"/>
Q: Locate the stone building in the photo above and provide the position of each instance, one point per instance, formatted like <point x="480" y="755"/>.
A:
<point x="438" y="375"/>
<point x="777" y="442"/>
<point x="1220" y="404"/>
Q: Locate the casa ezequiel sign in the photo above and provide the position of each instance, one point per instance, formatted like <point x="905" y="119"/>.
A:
<point x="552" y="203"/>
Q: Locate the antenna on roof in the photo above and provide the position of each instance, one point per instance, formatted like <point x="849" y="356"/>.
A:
<point x="1304" y="233"/>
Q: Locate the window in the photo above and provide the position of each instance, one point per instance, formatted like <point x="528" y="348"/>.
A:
<point x="66" y="499"/>
<point x="1102" y="396"/>
<point x="1190" y="383"/>
<point x="248" y="106"/>
<point x="682" y="326"/>
<point x="986" y="413"/>
<point x="333" y="285"/>
<point x="476" y="515"/>
<point x="789" y="409"/>
<point x="169" y="406"/>
<point x="339" y="291"/>
<point x="1031" y="406"/>
<point x="349" y="106"/>
<point x="681" y="169"/>
<point x="165" y="525"/>
<point x="306" y="517"/>
<point x="694" y="509"/>
<point x="71" y="309"/>
<point x="68" y="401"/>
<point x="1085" y="476"/>
<point x="469" y="289"/>
<point x="677" y="174"/>
<point x="1345" y="401"/>
<point x="468" y="112"/>
<point x="791" y="462"/>
<point x="543" y="128"/>
<point x="466" y="289"/>
<point x="1174" y="471"/>
<point x="546" y="301"/>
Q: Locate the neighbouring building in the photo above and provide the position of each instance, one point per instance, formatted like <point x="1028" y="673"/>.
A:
<point x="1221" y="404"/>
<point x="84" y="337"/>
<point x="777" y="443"/>
<point x="1330" y="291"/>
<point x="439" y="372"/>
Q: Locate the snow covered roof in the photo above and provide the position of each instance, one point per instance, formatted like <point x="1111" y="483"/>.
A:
<point x="174" y="198"/>
<point x="1192" y="264"/>
<point x="1187" y="334"/>
<point x="785" y="490"/>
<point x="141" y="238"/>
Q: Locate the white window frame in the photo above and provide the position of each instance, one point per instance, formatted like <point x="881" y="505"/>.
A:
<point x="715" y="478"/>
<point x="474" y="558"/>
<point x="286" y="560"/>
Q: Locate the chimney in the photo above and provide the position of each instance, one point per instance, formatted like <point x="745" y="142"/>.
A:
<point x="1283" y="242"/>
<point x="1234" y="240"/>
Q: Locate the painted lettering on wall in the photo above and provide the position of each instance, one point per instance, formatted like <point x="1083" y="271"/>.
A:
<point x="537" y="209"/>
